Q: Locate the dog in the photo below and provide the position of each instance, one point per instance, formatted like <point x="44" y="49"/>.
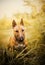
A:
<point x="18" y="41"/>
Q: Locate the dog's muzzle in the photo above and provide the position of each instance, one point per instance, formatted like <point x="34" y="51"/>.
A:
<point x="21" y="39"/>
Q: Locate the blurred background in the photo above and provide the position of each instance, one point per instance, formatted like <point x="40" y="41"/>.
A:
<point x="33" y="14"/>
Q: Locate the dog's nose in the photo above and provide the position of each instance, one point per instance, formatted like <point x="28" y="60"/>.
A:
<point x="21" y="39"/>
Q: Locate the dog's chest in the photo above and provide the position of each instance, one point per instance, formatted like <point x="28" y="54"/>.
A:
<point x="18" y="46"/>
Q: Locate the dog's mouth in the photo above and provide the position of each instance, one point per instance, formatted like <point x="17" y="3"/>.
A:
<point x="21" y="39"/>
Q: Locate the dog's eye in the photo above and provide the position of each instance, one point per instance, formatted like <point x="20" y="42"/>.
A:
<point x="16" y="30"/>
<point x="22" y="30"/>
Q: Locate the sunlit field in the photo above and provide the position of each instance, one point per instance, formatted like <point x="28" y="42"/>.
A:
<point x="34" y="22"/>
<point x="34" y="28"/>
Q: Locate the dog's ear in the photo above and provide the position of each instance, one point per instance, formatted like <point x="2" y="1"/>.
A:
<point x="13" y="23"/>
<point x="22" y="22"/>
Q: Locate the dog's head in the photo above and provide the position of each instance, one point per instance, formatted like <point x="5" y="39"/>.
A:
<point x="18" y="31"/>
